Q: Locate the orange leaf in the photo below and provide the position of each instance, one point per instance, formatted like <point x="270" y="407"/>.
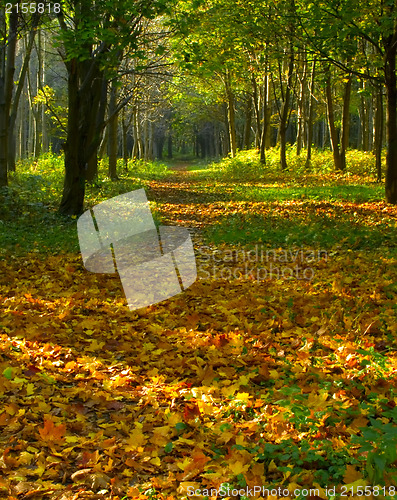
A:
<point x="51" y="432"/>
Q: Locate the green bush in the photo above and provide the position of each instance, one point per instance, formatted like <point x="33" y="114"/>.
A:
<point x="247" y="167"/>
<point x="146" y="169"/>
<point x="244" y="167"/>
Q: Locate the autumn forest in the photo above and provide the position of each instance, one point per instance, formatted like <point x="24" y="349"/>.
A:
<point x="261" y="363"/>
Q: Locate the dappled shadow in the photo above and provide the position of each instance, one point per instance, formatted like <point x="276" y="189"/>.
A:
<point x="275" y="354"/>
<point x="208" y="379"/>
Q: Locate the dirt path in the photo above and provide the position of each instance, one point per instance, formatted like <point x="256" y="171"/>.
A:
<point x="181" y="198"/>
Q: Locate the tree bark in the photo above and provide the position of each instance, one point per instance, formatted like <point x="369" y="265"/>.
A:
<point x="87" y="99"/>
<point x="3" y="107"/>
<point x="284" y="112"/>
<point x="7" y="69"/>
<point x="265" y="129"/>
<point x="391" y="125"/>
<point x="309" y="127"/>
<point x="378" y="133"/>
<point x="301" y="106"/>
<point x="230" y="114"/>
<point x="74" y="183"/>
<point x="247" y="123"/>
<point x="113" y="126"/>
<point x="331" y="123"/>
<point x="344" y="143"/>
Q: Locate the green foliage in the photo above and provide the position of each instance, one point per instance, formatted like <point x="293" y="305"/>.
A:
<point x="147" y="169"/>
<point x="319" y="231"/>
<point x="29" y="220"/>
<point x="379" y="443"/>
<point x="56" y="112"/>
<point x="327" y="463"/>
<point x="321" y="191"/>
<point x="247" y="167"/>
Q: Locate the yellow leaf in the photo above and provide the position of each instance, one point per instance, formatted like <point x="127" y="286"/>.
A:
<point x="187" y="487"/>
<point x="184" y="463"/>
<point x="29" y="389"/>
<point x="238" y="468"/>
<point x="136" y="438"/>
<point x="352" y="476"/>
<point x="243" y="396"/>
<point x="317" y="400"/>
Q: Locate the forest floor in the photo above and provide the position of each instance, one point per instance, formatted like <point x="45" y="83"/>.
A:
<point x="276" y="370"/>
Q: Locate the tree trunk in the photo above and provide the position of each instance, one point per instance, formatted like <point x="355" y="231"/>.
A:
<point x="113" y="126"/>
<point x="7" y="69"/>
<point x="231" y="114"/>
<point x="310" y="119"/>
<point x="331" y="123"/>
<point x="255" y="97"/>
<point x="247" y="124"/>
<point x="3" y="106"/>
<point x="72" y="202"/>
<point x="301" y="106"/>
<point x="391" y="125"/>
<point x="345" y="123"/>
<point x="87" y="99"/>
<point x="3" y="136"/>
<point x="378" y="133"/>
<point x="264" y="136"/>
<point x="103" y="145"/>
<point x="125" y="126"/>
<point x="284" y="113"/>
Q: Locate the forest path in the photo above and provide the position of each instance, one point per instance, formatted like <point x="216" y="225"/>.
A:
<point x="186" y="199"/>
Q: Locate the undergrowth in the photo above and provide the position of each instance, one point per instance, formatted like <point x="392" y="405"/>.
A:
<point x="29" y="218"/>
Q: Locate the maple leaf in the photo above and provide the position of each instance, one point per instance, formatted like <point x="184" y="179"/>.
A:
<point x="136" y="438"/>
<point x="191" y="412"/>
<point x="52" y="433"/>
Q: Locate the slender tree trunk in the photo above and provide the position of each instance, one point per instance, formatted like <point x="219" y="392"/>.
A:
<point x="284" y="113"/>
<point x="3" y="136"/>
<point x="42" y="62"/>
<point x="378" y="132"/>
<point x="344" y="143"/>
<point x="113" y="126"/>
<point x="310" y="119"/>
<point x="331" y="123"/>
<point x="226" y="142"/>
<point x="301" y="107"/>
<point x="125" y="124"/>
<point x="258" y="129"/>
<point x="169" y="147"/>
<point x="247" y="124"/>
<point x="231" y="114"/>
<point x="104" y="144"/>
<point x="34" y="116"/>
<point x="264" y="138"/>
<point x="3" y="107"/>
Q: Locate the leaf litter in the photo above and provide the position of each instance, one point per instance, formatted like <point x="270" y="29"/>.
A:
<point x="242" y="380"/>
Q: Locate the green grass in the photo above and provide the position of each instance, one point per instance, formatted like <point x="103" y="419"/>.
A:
<point x="317" y="231"/>
<point x="317" y="207"/>
<point x="298" y="207"/>
<point x="29" y="221"/>
<point x="270" y="193"/>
